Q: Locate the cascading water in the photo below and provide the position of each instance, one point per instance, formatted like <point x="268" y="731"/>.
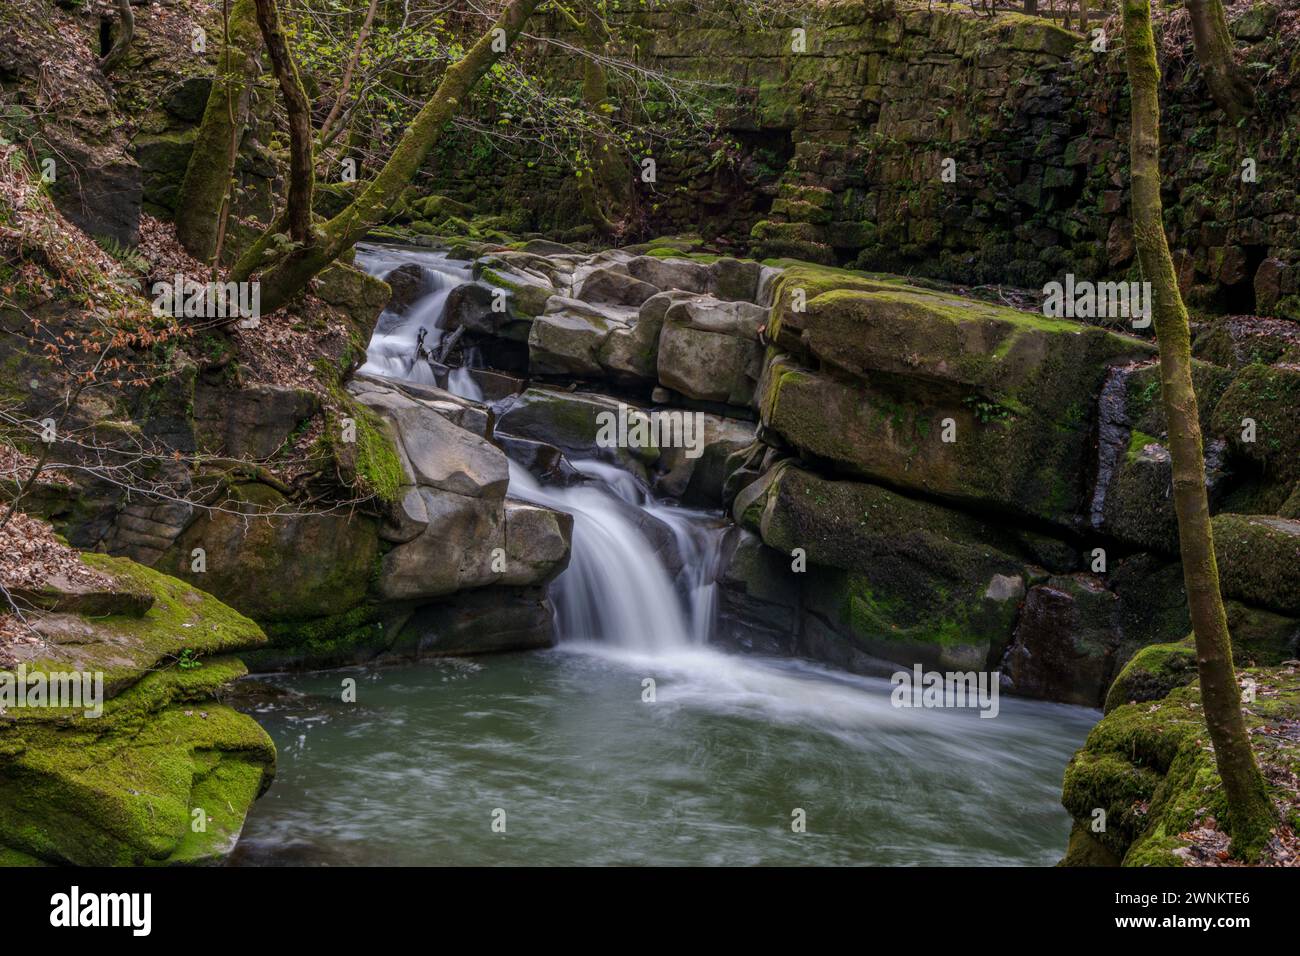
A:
<point x="616" y="589"/>
<point x="594" y="768"/>
<point x="393" y="349"/>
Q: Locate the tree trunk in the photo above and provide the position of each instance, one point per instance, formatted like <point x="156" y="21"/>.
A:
<point x="1213" y="42"/>
<point x="211" y="167"/>
<point x="287" y="276"/>
<point x="1249" y="810"/>
<point x="301" y="174"/>
<point x="603" y="186"/>
<point x="346" y="83"/>
<point x="125" y="34"/>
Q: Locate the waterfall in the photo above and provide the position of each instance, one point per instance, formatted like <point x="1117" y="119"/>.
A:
<point x="394" y="345"/>
<point x="618" y="589"/>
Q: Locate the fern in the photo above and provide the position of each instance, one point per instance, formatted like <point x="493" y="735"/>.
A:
<point x="125" y="255"/>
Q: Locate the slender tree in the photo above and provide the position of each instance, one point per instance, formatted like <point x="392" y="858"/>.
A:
<point x="1250" y="812"/>
<point x="1213" y="43"/>
<point x="603" y="181"/>
<point x="298" y="109"/>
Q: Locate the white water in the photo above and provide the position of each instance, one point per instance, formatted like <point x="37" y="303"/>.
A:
<point x="392" y="348"/>
<point x="616" y="589"/>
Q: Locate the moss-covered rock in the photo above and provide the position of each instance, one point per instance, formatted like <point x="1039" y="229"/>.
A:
<point x="1259" y="559"/>
<point x="1259" y="415"/>
<point x="274" y="563"/>
<point x="903" y="580"/>
<point x="165" y="774"/>
<point x="928" y="391"/>
<point x="1151" y="768"/>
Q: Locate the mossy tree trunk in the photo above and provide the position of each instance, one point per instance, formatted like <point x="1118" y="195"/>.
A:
<point x="288" y="274"/>
<point x="603" y="185"/>
<point x="297" y="211"/>
<point x="1213" y="43"/>
<point x="209" y="175"/>
<point x="1250" y="812"/>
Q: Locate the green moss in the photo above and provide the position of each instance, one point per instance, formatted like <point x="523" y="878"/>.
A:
<point x="181" y="617"/>
<point x="1150" y="765"/>
<point x="377" y="461"/>
<point x="122" y="788"/>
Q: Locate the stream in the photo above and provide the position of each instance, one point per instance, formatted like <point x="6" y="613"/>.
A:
<point x="633" y="741"/>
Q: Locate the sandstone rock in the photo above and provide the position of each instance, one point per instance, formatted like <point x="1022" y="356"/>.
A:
<point x="273" y="564"/>
<point x="911" y="367"/>
<point x="680" y="274"/>
<point x="571" y="421"/>
<point x="478" y="622"/>
<point x="537" y="541"/>
<point x="736" y="279"/>
<point x="758" y="606"/>
<point x="567" y="343"/>
<point x="250" y="422"/>
<point x="897" y="579"/>
<point x="617" y="288"/>
<point x="452" y="553"/>
<point x="631" y="354"/>
<point x="1259" y="560"/>
<point x="118" y="789"/>
<point x="440" y="453"/>
<point x="709" y="350"/>
<point x="699" y="480"/>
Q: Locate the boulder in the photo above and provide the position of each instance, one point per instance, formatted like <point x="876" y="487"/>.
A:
<point x="567" y="343"/>
<point x="736" y="280"/>
<point x="273" y="563"/>
<point x="758" y="597"/>
<point x="973" y="402"/>
<point x="1065" y="641"/>
<point x="526" y="290"/>
<point x="439" y="453"/>
<point x="571" y="421"/>
<point x="698" y="480"/>
<point x="709" y="350"/>
<point x="1259" y="560"/>
<point x="453" y="552"/>
<point x="616" y="288"/>
<point x="250" y="422"/>
<point x="897" y="579"/>
<point x="479" y="622"/>
<point x="664" y="273"/>
<point x="122" y="788"/>
<point x="537" y="542"/>
<point x="631" y="354"/>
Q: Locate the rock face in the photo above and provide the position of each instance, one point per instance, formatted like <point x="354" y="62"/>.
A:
<point x="123" y="788"/>
<point x="829" y="172"/>
<point x="976" y="403"/>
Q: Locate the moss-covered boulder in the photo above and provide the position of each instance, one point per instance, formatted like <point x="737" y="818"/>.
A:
<point x="1259" y="559"/>
<point x="1259" y="415"/>
<point x="274" y="562"/>
<point x="903" y="580"/>
<point x="1150" y="767"/>
<point x="928" y="391"/>
<point x="165" y="774"/>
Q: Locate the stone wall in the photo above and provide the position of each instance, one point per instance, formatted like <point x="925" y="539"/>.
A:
<point x="836" y="154"/>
